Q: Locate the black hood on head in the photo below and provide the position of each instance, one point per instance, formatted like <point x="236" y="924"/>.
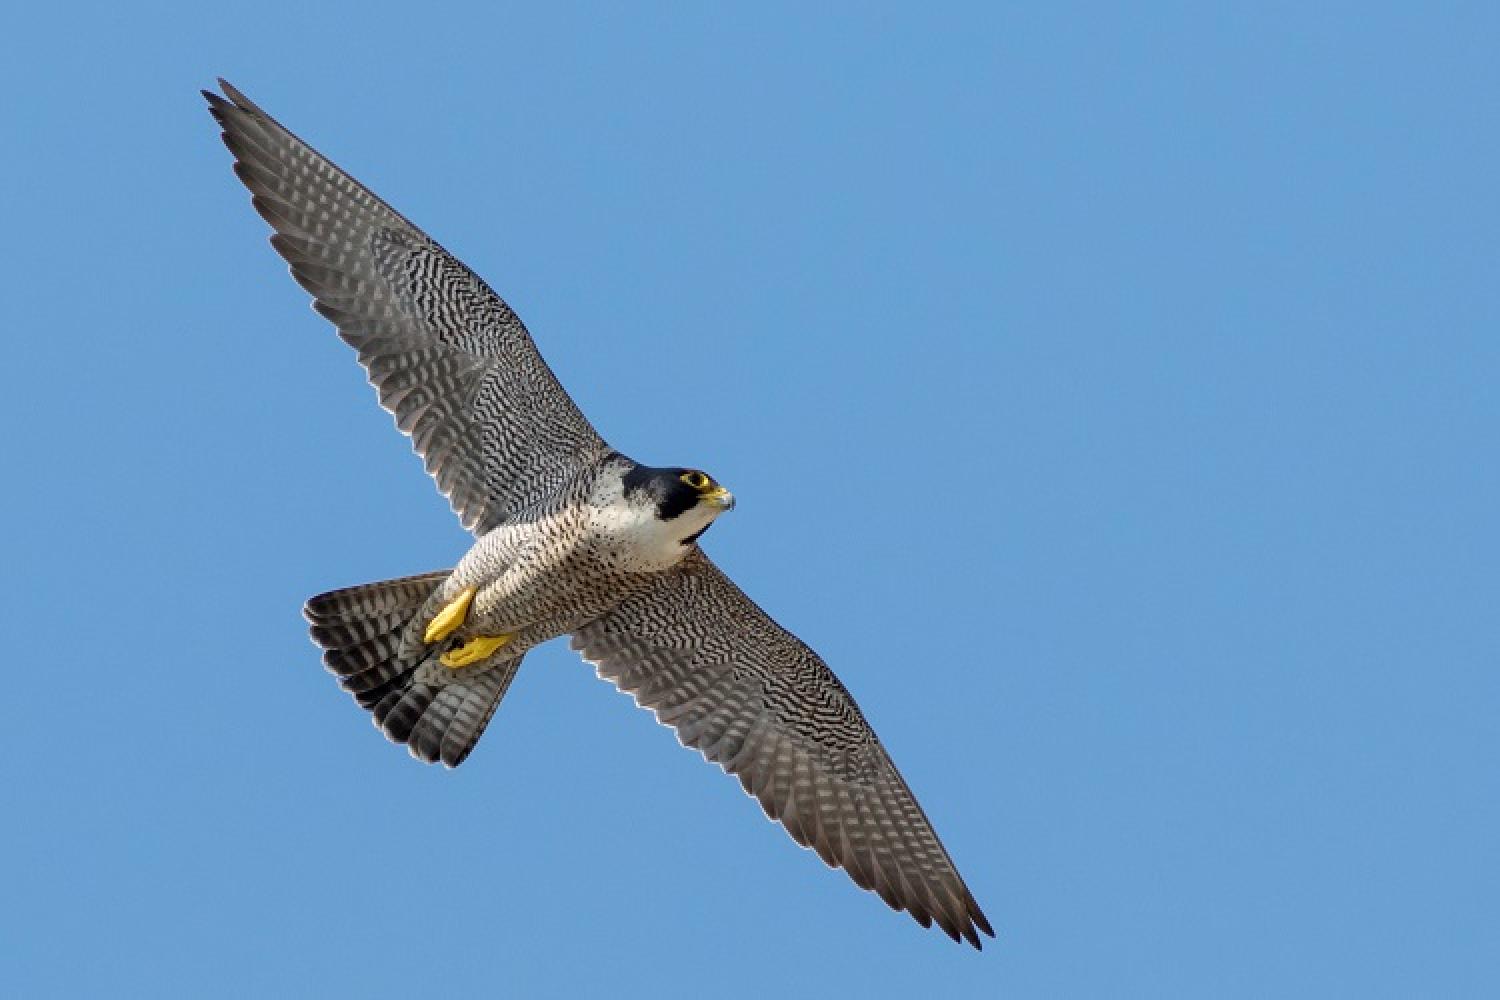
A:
<point x="665" y="487"/>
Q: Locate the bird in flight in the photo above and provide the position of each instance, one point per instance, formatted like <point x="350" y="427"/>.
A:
<point x="573" y="538"/>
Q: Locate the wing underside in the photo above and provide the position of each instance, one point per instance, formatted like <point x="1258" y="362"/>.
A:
<point x="448" y="358"/>
<point x="755" y="700"/>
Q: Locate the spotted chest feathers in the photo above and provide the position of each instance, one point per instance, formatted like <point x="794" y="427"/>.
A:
<point x="580" y="553"/>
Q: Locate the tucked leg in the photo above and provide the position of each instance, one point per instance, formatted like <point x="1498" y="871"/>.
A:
<point x="474" y="650"/>
<point x="451" y="617"/>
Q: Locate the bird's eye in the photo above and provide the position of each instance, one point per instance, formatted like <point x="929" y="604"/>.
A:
<point x="696" y="480"/>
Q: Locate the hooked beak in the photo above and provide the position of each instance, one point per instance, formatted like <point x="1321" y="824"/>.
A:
<point x="719" y="497"/>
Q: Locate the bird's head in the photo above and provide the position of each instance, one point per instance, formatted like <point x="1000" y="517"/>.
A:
<point x="685" y="500"/>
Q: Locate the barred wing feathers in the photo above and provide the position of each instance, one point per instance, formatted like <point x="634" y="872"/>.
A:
<point x="447" y="356"/>
<point x="754" y="699"/>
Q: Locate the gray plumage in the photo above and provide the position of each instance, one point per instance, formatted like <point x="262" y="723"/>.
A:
<point x="754" y="699"/>
<point x="448" y="357"/>
<point x="574" y="539"/>
<point x="365" y="635"/>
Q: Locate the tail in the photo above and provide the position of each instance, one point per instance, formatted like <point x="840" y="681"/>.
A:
<point x="438" y="712"/>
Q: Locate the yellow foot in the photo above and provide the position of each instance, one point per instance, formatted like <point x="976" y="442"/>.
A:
<point x="478" y="648"/>
<point x="450" y="617"/>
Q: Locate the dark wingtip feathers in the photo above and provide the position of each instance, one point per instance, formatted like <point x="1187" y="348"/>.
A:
<point x="234" y="94"/>
<point x="232" y="97"/>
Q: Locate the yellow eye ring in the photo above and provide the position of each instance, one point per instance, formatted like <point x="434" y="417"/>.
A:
<point x="696" y="480"/>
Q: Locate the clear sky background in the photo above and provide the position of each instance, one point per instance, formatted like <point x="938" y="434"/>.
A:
<point x="1111" y="399"/>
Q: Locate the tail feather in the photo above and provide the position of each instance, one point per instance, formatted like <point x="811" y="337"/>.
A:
<point x="456" y="711"/>
<point x="359" y="666"/>
<point x="338" y="635"/>
<point x="399" y="712"/>
<point x="372" y="600"/>
<point x="438" y="712"/>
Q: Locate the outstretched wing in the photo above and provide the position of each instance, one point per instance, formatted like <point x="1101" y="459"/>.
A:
<point x="447" y="356"/>
<point x="754" y="699"/>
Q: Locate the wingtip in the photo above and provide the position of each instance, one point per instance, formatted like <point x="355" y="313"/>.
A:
<point x="217" y="106"/>
<point x="973" y="931"/>
<point x="976" y="915"/>
<point x="976" y="925"/>
<point x="231" y="98"/>
<point x="234" y="93"/>
<point x="965" y="927"/>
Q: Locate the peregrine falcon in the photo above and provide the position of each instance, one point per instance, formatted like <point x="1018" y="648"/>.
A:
<point x="573" y="538"/>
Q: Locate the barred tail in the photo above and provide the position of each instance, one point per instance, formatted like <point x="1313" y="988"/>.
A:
<point x="438" y="712"/>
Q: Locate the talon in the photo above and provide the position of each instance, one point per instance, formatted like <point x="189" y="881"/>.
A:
<point x="451" y="617"/>
<point x="478" y="648"/>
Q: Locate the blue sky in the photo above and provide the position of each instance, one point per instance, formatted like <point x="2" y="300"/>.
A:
<point x="1110" y="398"/>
